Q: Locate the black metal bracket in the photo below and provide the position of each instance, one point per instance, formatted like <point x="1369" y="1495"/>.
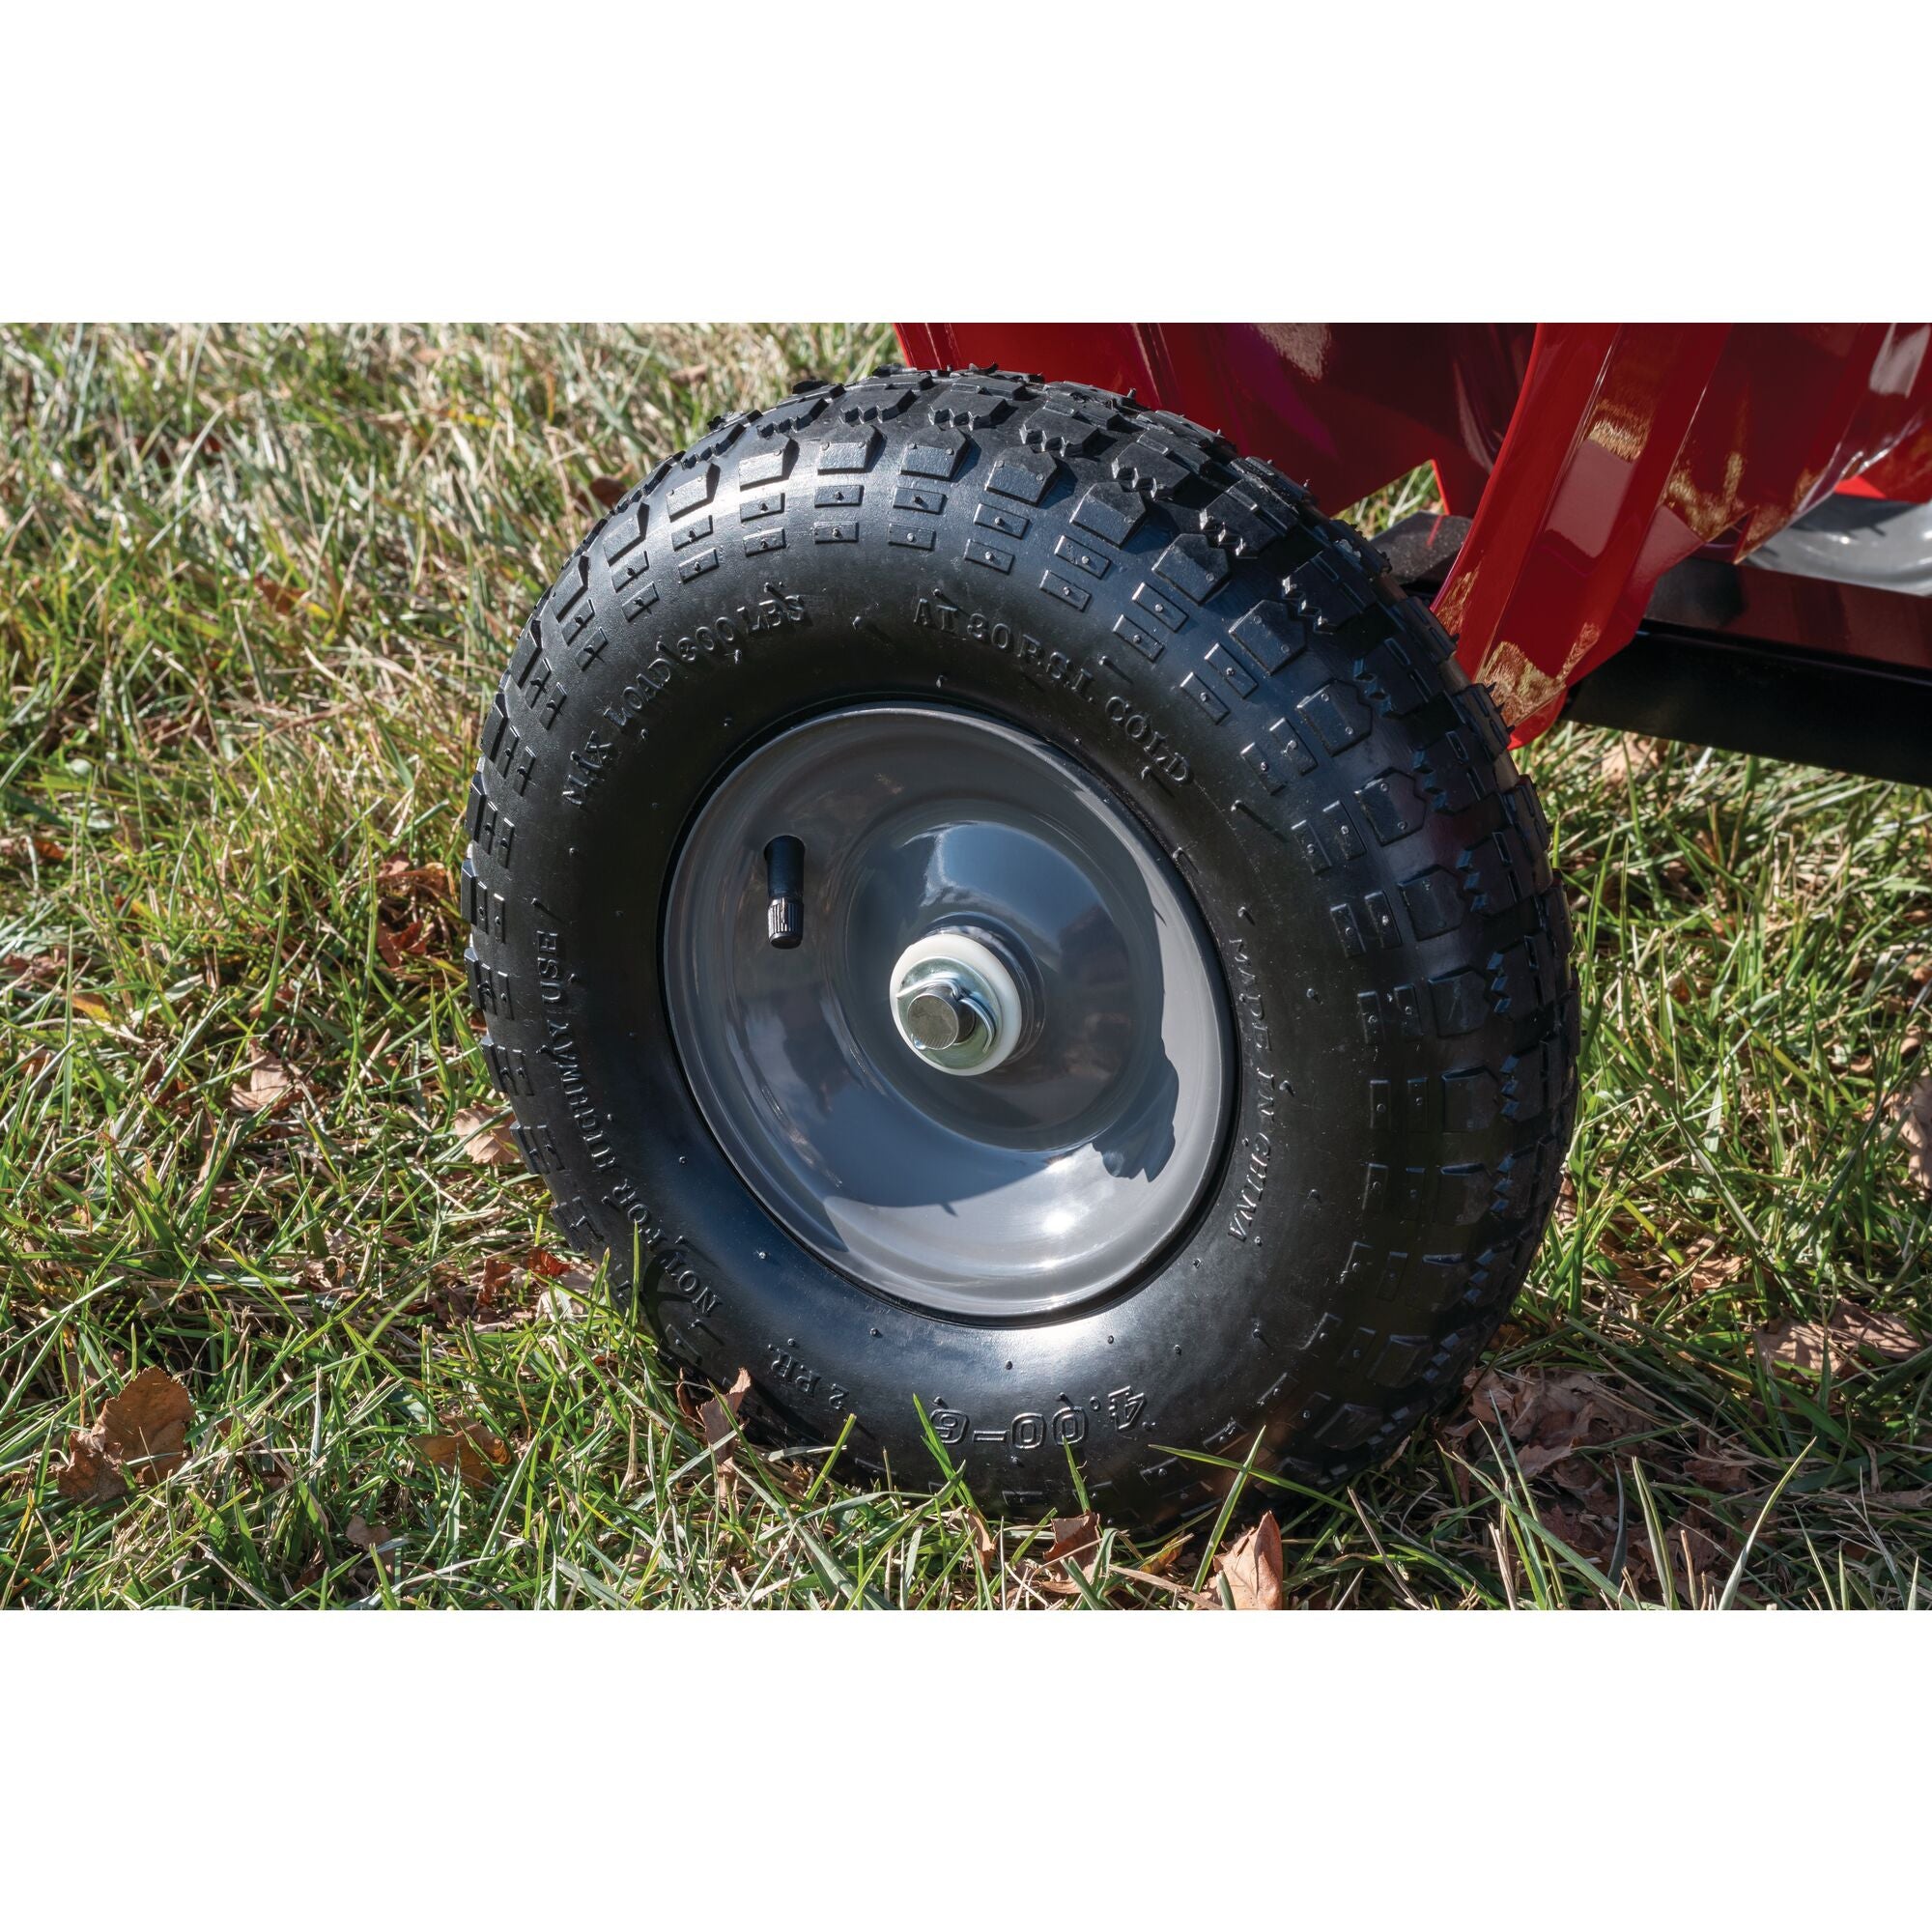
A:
<point x="1744" y="694"/>
<point x="1747" y="660"/>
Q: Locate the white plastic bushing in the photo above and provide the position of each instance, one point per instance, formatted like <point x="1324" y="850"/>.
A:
<point x="985" y="974"/>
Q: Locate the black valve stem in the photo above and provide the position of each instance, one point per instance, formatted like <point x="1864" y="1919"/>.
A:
<point x="784" y="882"/>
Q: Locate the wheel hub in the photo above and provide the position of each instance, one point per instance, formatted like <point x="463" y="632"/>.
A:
<point x="957" y="1004"/>
<point x="986" y="1067"/>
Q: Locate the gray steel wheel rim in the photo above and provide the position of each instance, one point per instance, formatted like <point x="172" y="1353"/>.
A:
<point x="1053" y="1177"/>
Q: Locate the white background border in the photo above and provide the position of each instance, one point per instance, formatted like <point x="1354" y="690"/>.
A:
<point x="736" y="158"/>
<point x="461" y="1770"/>
<point x="644" y="162"/>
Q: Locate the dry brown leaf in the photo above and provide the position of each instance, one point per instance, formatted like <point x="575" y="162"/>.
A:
<point x="690" y="375"/>
<point x="88" y="1006"/>
<point x="985" y="1551"/>
<point x="399" y="879"/>
<point x="405" y="941"/>
<point x="278" y="597"/>
<point x="1720" y="1473"/>
<point x="1566" y="1203"/>
<point x="1589" y="1525"/>
<point x="1549" y="1417"/>
<point x="1631" y="757"/>
<point x="1076" y="1541"/>
<point x="608" y="490"/>
<point x="494" y="1304"/>
<point x="715" y="1416"/>
<point x="1252" y="1567"/>
<point x="1847" y="1333"/>
<point x="1875" y="1333"/>
<point x="500" y="1300"/>
<point x="503" y="1298"/>
<point x="1711" y="1270"/>
<point x="1164" y="1559"/>
<point x="373" y="1539"/>
<point x="265" y="1088"/>
<point x="473" y="1450"/>
<point x="717" y="1412"/>
<point x="36" y="968"/>
<point x="17" y="846"/>
<point x="1586" y="1522"/>
<point x="414" y="906"/>
<point x="485" y="1138"/>
<point x="141" y="1435"/>
<point x="1914" y="1113"/>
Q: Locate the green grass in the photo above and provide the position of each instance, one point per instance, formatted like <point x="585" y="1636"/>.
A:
<point x="254" y="587"/>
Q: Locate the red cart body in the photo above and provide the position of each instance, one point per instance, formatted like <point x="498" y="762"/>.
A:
<point x="1599" y="483"/>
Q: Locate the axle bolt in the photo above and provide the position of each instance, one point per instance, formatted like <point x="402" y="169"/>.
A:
<point x="940" y="1013"/>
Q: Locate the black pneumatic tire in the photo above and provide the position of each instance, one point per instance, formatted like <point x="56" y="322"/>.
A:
<point x="1244" y="675"/>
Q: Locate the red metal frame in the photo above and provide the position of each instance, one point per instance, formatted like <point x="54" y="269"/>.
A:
<point x="1591" y="456"/>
